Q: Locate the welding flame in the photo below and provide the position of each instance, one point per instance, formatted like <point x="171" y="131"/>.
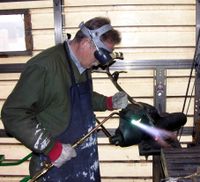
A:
<point x="159" y="135"/>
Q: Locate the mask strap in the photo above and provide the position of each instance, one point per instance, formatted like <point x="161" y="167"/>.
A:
<point x="100" y="31"/>
<point x="96" y="34"/>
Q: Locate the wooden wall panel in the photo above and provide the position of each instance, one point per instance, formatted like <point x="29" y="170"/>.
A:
<point x="177" y="86"/>
<point x="9" y="76"/>
<point x="133" y="82"/>
<point x="106" y="152"/>
<point x="146" y="38"/>
<point x="42" y="19"/>
<point x="179" y="72"/>
<point x="124" y="180"/>
<point x="157" y="53"/>
<point x="143" y="37"/>
<point x="127" y="154"/>
<point x="1" y="124"/>
<point x="120" y="169"/>
<point x="134" y="15"/>
<point x="27" y="4"/>
<point x="132" y="86"/>
<point x="126" y="158"/>
<point x="169" y="28"/>
<point x="20" y="151"/>
<point x="6" y="88"/>
<point x="176" y="105"/>
<point x="10" y="179"/>
<point x="43" y="40"/>
<point x="20" y="170"/>
<point x="144" y="23"/>
<point x="127" y="2"/>
<point x="17" y="179"/>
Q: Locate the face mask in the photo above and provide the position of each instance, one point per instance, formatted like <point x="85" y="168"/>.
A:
<point x="103" y="54"/>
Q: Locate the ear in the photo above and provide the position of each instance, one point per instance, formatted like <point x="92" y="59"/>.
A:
<point x="85" y="42"/>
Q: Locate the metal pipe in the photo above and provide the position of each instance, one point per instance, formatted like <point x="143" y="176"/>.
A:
<point x="106" y="132"/>
<point x="48" y="166"/>
<point x="114" y="81"/>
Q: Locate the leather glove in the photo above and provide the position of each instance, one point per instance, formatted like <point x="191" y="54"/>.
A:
<point x="61" y="153"/>
<point x="117" y="101"/>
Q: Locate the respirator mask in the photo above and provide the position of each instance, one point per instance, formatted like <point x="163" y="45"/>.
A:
<point x="103" y="54"/>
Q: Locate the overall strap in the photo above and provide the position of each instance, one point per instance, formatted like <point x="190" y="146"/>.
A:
<point x="70" y="64"/>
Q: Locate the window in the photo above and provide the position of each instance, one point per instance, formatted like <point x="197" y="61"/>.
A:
<point x="15" y="33"/>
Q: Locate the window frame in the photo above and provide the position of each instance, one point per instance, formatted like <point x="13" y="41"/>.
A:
<point x="27" y="33"/>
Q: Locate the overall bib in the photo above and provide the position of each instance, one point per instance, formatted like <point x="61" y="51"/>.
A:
<point x="85" y="166"/>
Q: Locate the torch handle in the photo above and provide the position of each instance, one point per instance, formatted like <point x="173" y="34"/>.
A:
<point x="48" y="166"/>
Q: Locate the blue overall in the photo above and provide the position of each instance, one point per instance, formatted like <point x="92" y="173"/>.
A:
<point x="85" y="166"/>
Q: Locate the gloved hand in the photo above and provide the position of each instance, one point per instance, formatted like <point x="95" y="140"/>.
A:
<point x="61" y="153"/>
<point x="118" y="101"/>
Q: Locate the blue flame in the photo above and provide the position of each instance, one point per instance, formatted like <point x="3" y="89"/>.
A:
<point x="158" y="134"/>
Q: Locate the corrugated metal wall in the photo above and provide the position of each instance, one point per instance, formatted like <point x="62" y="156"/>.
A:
<point x="151" y="30"/>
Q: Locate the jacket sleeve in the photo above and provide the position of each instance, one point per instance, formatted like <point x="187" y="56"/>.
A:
<point x="99" y="102"/>
<point x="19" y="112"/>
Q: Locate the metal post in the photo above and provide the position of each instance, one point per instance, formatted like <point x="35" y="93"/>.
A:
<point x="197" y="75"/>
<point x="58" y="21"/>
<point x="196" y="132"/>
<point x="197" y="92"/>
<point x="160" y="104"/>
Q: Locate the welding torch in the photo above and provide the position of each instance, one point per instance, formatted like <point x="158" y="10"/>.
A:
<point x="48" y="166"/>
<point x="114" y="78"/>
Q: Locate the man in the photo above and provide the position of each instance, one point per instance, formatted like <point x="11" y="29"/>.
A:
<point x="52" y="104"/>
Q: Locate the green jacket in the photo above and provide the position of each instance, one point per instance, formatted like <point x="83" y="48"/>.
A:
<point x="38" y="108"/>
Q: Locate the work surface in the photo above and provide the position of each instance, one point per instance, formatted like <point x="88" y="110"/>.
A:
<point x="181" y="164"/>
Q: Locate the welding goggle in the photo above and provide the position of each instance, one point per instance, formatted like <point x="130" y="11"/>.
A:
<point x="102" y="53"/>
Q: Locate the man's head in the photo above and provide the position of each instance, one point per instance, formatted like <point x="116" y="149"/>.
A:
<point x="95" y="40"/>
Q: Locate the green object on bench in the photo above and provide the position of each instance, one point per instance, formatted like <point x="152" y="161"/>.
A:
<point x="25" y="179"/>
<point x="2" y="157"/>
<point x="13" y="163"/>
<point x="2" y="163"/>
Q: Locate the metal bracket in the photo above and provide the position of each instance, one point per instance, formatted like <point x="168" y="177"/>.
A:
<point x="160" y="89"/>
<point x="196" y="134"/>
